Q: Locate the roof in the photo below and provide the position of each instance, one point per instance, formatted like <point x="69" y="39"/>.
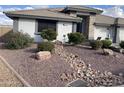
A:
<point x="107" y="20"/>
<point x="104" y="20"/>
<point x="51" y="14"/>
<point x="83" y="9"/>
<point x="120" y="21"/>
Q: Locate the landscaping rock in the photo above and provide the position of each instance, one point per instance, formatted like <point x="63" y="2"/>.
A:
<point x="64" y="77"/>
<point x="43" y="55"/>
<point x="117" y="49"/>
<point x="58" y="42"/>
<point x="108" y="52"/>
<point x="121" y="74"/>
<point x="117" y="56"/>
<point x="122" y="51"/>
<point x="84" y="71"/>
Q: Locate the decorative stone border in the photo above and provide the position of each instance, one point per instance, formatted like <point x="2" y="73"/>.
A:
<point x="26" y="84"/>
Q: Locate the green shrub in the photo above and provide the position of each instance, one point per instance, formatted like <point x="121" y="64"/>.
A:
<point x="46" y="46"/>
<point x="18" y="40"/>
<point x="96" y="44"/>
<point x="48" y="34"/>
<point x="122" y="44"/>
<point x="106" y="43"/>
<point x="76" y="38"/>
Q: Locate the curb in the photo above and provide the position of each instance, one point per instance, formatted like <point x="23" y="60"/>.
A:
<point x="26" y="84"/>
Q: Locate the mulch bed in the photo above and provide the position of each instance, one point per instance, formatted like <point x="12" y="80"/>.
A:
<point x="99" y="61"/>
<point x="37" y="73"/>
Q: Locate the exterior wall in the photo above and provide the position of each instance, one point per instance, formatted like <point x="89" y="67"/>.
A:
<point x="103" y="32"/>
<point x="120" y="35"/>
<point x="37" y="37"/>
<point x="15" y="25"/>
<point x="91" y="27"/>
<point x="74" y="27"/>
<point x="27" y="26"/>
<point x="63" y="28"/>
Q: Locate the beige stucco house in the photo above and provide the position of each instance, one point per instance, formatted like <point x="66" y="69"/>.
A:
<point x="66" y="20"/>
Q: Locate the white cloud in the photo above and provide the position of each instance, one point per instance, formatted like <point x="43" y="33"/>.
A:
<point x="4" y="20"/>
<point x="1" y="13"/>
<point x="28" y="8"/>
<point x="115" y="11"/>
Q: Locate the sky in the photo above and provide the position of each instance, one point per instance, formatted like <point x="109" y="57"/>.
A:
<point x="110" y="10"/>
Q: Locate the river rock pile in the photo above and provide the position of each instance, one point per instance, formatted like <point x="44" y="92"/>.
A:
<point x="85" y="72"/>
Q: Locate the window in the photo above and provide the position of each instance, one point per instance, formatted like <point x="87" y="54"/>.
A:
<point x="45" y="24"/>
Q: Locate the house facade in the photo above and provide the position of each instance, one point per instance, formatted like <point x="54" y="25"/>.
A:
<point x="66" y="20"/>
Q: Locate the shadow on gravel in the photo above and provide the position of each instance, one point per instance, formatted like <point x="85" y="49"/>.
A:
<point x="116" y="72"/>
<point x="33" y="50"/>
<point x="33" y="56"/>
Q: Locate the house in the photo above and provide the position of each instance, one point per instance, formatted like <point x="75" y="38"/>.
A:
<point x="66" y="20"/>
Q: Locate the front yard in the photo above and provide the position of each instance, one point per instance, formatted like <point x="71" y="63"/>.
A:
<point x="36" y="72"/>
<point x="53" y="64"/>
<point x="48" y="73"/>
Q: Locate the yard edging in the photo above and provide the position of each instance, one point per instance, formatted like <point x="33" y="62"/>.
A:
<point x="26" y="84"/>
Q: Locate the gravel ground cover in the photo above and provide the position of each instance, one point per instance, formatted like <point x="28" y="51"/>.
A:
<point x="98" y="61"/>
<point x="37" y="73"/>
<point x="66" y="65"/>
<point x="7" y="78"/>
<point x="91" y="77"/>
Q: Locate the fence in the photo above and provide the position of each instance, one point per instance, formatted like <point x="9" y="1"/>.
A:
<point x="4" y="29"/>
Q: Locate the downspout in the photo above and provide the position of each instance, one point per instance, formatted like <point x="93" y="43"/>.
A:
<point x="115" y="30"/>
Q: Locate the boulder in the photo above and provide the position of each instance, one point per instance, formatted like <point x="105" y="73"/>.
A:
<point x="121" y="74"/>
<point x="43" y="55"/>
<point x="122" y="51"/>
<point x="117" y="56"/>
<point x="108" y="52"/>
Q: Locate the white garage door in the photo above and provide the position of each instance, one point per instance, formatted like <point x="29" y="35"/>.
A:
<point x="63" y="28"/>
<point x="120" y="34"/>
<point x="102" y="32"/>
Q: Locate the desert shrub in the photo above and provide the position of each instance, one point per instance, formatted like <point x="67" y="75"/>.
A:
<point x="106" y="43"/>
<point x="76" y="38"/>
<point x="122" y="44"/>
<point x="49" y="34"/>
<point x="46" y="46"/>
<point x="18" y="40"/>
<point x="96" y="44"/>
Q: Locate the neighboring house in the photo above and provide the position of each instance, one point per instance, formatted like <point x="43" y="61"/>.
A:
<point x="66" y="20"/>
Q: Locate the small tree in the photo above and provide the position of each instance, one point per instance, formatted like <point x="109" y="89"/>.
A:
<point x="106" y="43"/>
<point x="49" y="34"/>
<point x="96" y="44"/>
<point x="46" y="46"/>
<point x="18" y="40"/>
<point x="76" y="38"/>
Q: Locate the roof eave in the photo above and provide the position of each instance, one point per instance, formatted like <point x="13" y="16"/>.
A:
<point x="90" y="10"/>
<point x="42" y="17"/>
